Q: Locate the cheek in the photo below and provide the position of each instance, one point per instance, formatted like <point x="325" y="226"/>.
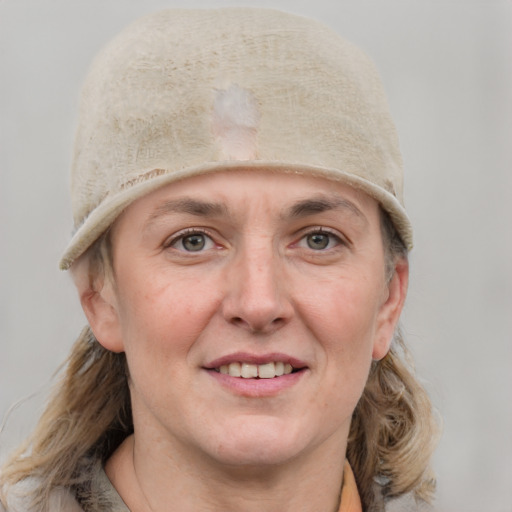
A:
<point x="345" y="310"/>
<point x="162" y="316"/>
<point x="344" y="322"/>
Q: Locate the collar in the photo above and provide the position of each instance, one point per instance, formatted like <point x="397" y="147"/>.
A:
<point x="350" y="500"/>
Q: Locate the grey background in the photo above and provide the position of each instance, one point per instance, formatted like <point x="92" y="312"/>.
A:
<point x="446" y="66"/>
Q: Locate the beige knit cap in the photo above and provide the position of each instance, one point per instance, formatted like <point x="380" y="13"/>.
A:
<point x="185" y="92"/>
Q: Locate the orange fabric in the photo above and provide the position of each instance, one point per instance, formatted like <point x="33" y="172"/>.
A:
<point x="350" y="500"/>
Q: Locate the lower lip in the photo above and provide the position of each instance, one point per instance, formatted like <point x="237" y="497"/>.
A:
<point x="257" y="388"/>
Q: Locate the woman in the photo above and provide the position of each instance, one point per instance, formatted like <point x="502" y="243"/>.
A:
<point x="241" y="256"/>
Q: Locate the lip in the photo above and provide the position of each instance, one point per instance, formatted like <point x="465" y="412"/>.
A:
<point x="246" y="357"/>
<point x="256" y="388"/>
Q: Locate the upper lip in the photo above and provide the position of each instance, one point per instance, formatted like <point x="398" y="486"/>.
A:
<point x="246" y="357"/>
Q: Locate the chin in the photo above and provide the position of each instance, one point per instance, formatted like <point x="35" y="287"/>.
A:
<point x="255" y="455"/>
<point x="259" y="443"/>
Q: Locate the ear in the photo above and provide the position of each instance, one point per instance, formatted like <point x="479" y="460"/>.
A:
<point x="99" y="303"/>
<point x="392" y="305"/>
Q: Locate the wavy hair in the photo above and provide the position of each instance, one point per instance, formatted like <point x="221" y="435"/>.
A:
<point x="391" y="440"/>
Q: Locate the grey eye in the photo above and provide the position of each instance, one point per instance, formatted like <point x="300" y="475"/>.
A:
<point x="194" y="242"/>
<point x="318" y="241"/>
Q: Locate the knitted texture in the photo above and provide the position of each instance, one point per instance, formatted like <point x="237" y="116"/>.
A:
<point x="185" y="92"/>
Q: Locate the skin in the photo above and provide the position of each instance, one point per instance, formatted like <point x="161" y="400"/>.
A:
<point x="240" y="265"/>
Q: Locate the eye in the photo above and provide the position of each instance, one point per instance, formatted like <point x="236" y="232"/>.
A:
<point x="193" y="241"/>
<point x="320" y="240"/>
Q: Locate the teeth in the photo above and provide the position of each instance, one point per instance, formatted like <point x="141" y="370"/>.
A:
<point x="234" y="370"/>
<point x="251" y="371"/>
<point x="267" y="371"/>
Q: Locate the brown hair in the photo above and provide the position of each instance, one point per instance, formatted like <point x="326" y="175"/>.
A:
<point x="392" y="434"/>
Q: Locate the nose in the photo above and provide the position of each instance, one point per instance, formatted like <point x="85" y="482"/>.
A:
<point x="257" y="297"/>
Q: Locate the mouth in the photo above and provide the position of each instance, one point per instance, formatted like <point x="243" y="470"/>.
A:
<point x="257" y="375"/>
<point x="250" y="366"/>
<point x="245" y="370"/>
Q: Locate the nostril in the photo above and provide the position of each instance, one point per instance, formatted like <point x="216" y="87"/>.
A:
<point x="238" y="321"/>
<point x="258" y="327"/>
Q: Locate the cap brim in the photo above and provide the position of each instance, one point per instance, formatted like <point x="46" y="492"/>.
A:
<point x="106" y="213"/>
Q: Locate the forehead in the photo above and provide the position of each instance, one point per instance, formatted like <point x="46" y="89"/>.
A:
<point x="238" y="192"/>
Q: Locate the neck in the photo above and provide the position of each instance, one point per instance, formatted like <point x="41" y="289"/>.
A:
<point x="149" y="479"/>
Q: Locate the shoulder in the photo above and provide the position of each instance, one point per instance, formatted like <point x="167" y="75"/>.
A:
<point x="407" y="503"/>
<point x="96" y="494"/>
<point x="19" y="499"/>
<point x="99" y="495"/>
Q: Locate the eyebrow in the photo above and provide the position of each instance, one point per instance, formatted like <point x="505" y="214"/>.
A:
<point x="321" y="204"/>
<point x="189" y="206"/>
<point x="302" y="208"/>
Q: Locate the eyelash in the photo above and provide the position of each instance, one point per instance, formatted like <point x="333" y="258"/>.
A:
<point x="333" y="236"/>
<point x="182" y="235"/>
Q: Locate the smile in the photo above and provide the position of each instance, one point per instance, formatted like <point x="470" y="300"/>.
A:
<point x="254" y="371"/>
<point x="257" y="375"/>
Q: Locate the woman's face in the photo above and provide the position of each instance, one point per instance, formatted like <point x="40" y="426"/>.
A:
<point x="249" y="305"/>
